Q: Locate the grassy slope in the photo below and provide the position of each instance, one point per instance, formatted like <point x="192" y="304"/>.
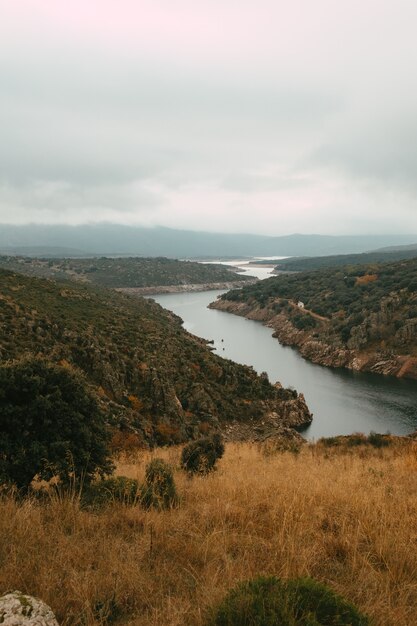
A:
<point x="143" y="365"/>
<point x="122" y="272"/>
<point x="368" y="307"/>
<point x="347" y="519"/>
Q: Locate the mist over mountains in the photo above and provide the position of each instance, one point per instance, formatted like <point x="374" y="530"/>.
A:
<point x="114" y="239"/>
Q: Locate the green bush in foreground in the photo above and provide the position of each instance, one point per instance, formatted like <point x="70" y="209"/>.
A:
<point x="273" y="602"/>
<point x="117" y="489"/>
<point x="50" y="425"/>
<point x="199" y="457"/>
<point x="159" y="490"/>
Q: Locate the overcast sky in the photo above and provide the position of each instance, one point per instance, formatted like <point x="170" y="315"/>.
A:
<point x="268" y="117"/>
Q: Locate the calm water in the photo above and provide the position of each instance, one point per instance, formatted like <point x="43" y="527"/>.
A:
<point x="342" y="402"/>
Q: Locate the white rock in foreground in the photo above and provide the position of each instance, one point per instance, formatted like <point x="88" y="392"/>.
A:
<point x="18" y="609"/>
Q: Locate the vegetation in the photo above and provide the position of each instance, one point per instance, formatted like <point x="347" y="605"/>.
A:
<point x="346" y="442"/>
<point x="150" y="377"/>
<point x="123" y="272"/>
<point x="300" y="602"/>
<point x="200" y="456"/>
<point x="49" y="425"/>
<point x="159" y="490"/>
<point x="101" y="493"/>
<point x="358" y="307"/>
<point x="346" y="520"/>
<point x="307" y="264"/>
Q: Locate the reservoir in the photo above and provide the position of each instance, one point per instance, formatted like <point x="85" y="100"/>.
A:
<point x="342" y="402"/>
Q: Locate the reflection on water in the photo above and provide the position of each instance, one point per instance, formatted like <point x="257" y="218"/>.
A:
<point x="342" y="401"/>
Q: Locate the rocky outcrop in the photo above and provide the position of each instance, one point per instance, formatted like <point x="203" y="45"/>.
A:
<point x="357" y="356"/>
<point x="269" y="429"/>
<point x="18" y="609"/>
<point x="149" y="291"/>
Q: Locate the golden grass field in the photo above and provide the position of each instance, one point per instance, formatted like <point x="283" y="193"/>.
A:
<point x="347" y="519"/>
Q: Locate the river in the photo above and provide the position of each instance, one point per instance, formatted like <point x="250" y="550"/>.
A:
<point x="342" y="402"/>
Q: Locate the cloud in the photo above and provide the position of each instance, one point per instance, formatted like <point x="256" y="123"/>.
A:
<point x="302" y="115"/>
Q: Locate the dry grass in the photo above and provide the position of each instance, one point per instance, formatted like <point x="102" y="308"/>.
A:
<point x="347" y="519"/>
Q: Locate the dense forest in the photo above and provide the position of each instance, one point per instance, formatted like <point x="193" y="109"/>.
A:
<point x="367" y="307"/>
<point x="123" y="272"/>
<point x="146" y="370"/>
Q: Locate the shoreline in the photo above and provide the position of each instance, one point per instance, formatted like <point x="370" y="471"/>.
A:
<point x="190" y="288"/>
<point x="382" y="363"/>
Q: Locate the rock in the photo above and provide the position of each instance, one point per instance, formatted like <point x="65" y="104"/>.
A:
<point x="271" y="428"/>
<point x="327" y="351"/>
<point x="18" y="609"/>
<point x="185" y="288"/>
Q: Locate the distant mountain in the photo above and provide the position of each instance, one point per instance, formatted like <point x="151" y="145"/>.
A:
<point x="114" y="239"/>
<point x="412" y="246"/>
<point x="43" y="252"/>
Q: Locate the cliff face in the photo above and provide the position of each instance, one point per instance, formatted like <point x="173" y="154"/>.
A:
<point x="357" y="355"/>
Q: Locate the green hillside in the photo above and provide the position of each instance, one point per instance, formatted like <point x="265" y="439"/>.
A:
<point x="369" y="308"/>
<point x="306" y="264"/>
<point x="145" y="368"/>
<point x="122" y="272"/>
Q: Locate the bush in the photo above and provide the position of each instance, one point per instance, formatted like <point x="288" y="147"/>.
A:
<point x="159" y="490"/>
<point x="50" y="425"/>
<point x="378" y="441"/>
<point x="272" y="602"/>
<point x="117" y="489"/>
<point x="200" y="456"/>
<point x="259" y="602"/>
<point x="344" y="442"/>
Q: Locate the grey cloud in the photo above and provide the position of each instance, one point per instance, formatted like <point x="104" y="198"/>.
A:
<point x="88" y="127"/>
<point x="62" y="198"/>
<point x="127" y="123"/>
<point x="379" y="151"/>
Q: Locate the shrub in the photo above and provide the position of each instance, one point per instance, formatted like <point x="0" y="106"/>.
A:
<point x="200" y="456"/>
<point x="159" y="490"/>
<point x="117" y="489"/>
<point x="272" y="602"/>
<point x="344" y="442"/>
<point x="50" y="425"/>
<point x="314" y="603"/>
<point x="259" y="602"/>
<point x="378" y="441"/>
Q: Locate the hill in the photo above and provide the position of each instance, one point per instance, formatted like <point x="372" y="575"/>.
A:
<point x="130" y="272"/>
<point x="307" y="264"/>
<point x="360" y="317"/>
<point x="115" y="239"/>
<point x="150" y="375"/>
<point x="412" y="246"/>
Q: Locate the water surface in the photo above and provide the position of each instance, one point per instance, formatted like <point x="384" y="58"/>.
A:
<point x="342" y="401"/>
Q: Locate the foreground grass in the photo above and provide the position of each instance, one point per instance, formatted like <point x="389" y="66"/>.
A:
<point x="348" y="519"/>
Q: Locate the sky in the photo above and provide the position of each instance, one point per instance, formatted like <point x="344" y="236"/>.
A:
<point x="265" y="117"/>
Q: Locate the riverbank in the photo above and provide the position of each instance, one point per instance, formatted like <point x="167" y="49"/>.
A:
<point x="185" y="288"/>
<point x="377" y="362"/>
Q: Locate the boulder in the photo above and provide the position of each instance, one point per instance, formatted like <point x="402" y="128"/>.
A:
<point x="19" y="609"/>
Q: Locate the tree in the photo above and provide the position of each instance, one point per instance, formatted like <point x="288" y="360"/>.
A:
<point x="50" y="425"/>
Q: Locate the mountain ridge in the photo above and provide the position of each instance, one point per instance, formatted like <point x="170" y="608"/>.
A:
<point x="116" y="239"/>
